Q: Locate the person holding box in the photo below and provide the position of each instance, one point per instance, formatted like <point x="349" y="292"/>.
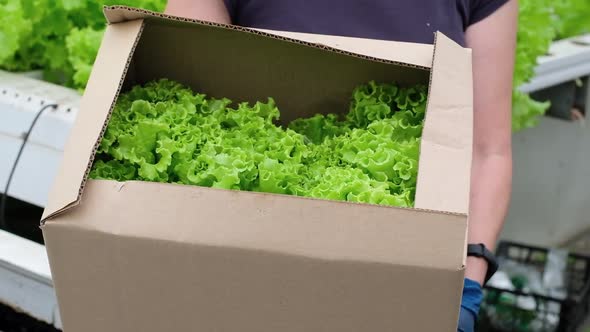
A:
<point x="488" y="27"/>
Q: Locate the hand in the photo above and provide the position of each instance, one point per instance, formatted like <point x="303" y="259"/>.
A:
<point x="472" y="297"/>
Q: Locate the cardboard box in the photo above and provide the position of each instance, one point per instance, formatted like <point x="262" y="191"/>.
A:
<point x="141" y="256"/>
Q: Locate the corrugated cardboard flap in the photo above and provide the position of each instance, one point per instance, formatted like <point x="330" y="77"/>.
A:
<point x="101" y="92"/>
<point x="445" y="152"/>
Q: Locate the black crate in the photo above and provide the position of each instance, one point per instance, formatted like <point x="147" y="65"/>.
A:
<point x="572" y="310"/>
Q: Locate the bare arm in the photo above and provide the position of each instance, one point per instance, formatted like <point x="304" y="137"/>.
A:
<point x="206" y="10"/>
<point x="493" y="41"/>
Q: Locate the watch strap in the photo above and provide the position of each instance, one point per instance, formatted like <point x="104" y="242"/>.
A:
<point x="479" y="250"/>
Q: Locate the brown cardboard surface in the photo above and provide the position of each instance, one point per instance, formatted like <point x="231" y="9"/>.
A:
<point x="445" y="152"/>
<point x="143" y="256"/>
<point x="316" y="228"/>
<point x="101" y="91"/>
<point x="411" y="53"/>
<point x="228" y="289"/>
<point x="217" y="260"/>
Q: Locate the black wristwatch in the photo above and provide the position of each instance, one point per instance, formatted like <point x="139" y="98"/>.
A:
<point x="480" y="250"/>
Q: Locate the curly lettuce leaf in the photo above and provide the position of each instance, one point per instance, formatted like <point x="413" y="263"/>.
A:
<point x="113" y="170"/>
<point x="536" y="31"/>
<point x="572" y="17"/>
<point x="526" y="111"/>
<point x="165" y="132"/>
<point x="82" y="48"/>
<point x="14" y="28"/>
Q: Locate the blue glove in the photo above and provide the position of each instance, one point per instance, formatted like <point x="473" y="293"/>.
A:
<point x="472" y="297"/>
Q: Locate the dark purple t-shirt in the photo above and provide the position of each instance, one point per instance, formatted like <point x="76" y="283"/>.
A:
<point x="401" y="20"/>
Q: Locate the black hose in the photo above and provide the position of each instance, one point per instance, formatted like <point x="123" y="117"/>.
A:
<point x="3" y="223"/>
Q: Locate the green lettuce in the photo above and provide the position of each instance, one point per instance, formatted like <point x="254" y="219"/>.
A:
<point x="165" y="132"/>
<point x="59" y="37"/>
<point x="526" y="111"/>
<point x="572" y="17"/>
<point x="82" y="48"/>
<point x="536" y="31"/>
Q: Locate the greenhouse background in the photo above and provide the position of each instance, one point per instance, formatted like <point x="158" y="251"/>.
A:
<point x="47" y="50"/>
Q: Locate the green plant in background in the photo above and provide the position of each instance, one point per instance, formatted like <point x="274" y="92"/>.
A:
<point x="541" y="22"/>
<point x="31" y="32"/>
<point x="526" y="111"/>
<point x="82" y="47"/>
<point x="573" y="17"/>
<point x="535" y="34"/>
<point x="13" y="28"/>
<point x="59" y="37"/>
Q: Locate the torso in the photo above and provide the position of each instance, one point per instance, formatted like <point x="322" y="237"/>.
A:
<point x="401" y="20"/>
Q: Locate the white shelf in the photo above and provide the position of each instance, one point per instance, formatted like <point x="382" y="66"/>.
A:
<point x="21" y="97"/>
<point x="568" y="59"/>
<point x="25" y="279"/>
